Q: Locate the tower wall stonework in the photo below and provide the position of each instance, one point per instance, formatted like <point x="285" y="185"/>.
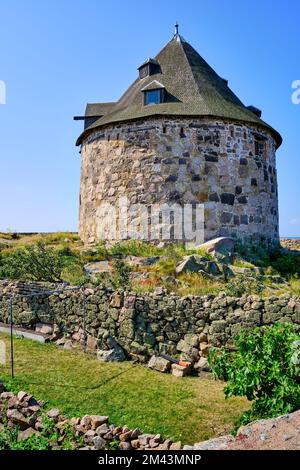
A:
<point x="229" y="167"/>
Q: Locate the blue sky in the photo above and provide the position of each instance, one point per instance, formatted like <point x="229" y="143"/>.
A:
<point x="57" y="55"/>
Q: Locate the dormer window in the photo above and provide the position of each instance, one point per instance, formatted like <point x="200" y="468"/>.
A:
<point x="144" y="71"/>
<point x="154" y="93"/>
<point x="255" y="110"/>
<point x="153" y="97"/>
<point x="150" y="67"/>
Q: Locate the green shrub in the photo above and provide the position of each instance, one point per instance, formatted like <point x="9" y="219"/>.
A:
<point x="265" y="368"/>
<point x="244" y="285"/>
<point x="281" y="260"/>
<point x="113" y="445"/>
<point x="254" y="253"/>
<point x="48" y="436"/>
<point x="121" y="278"/>
<point x="134" y="248"/>
<point x="98" y="253"/>
<point x="176" y="251"/>
<point x="287" y="264"/>
<point x="164" y="267"/>
<point x="73" y="273"/>
<point x="39" y="262"/>
<point x="34" y="442"/>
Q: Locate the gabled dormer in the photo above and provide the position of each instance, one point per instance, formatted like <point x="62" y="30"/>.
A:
<point x="154" y="93"/>
<point x="150" y="67"/>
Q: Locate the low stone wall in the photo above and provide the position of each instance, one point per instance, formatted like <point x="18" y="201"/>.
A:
<point x="144" y="324"/>
<point x="26" y="415"/>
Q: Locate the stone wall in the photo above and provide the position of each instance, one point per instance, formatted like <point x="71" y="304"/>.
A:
<point x="143" y="324"/>
<point x="230" y="168"/>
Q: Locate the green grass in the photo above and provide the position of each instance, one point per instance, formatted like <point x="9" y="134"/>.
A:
<point x="240" y="263"/>
<point x="189" y="409"/>
<point x="295" y="286"/>
<point x="133" y="248"/>
<point x="53" y="239"/>
<point x="195" y="284"/>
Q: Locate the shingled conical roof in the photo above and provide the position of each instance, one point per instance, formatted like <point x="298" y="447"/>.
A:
<point x="192" y="88"/>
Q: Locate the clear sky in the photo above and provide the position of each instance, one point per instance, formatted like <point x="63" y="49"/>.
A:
<point x="56" y="55"/>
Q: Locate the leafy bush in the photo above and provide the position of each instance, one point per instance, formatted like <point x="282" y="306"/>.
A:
<point x="9" y="441"/>
<point x="113" y="445"/>
<point x="244" y="285"/>
<point x="98" y="253"/>
<point x="285" y="263"/>
<point x="281" y="260"/>
<point x="254" y="253"/>
<point x="39" y="263"/>
<point x="73" y="273"/>
<point x="176" y="251"/>
<point x="121" y="278"/>
<point x="164" y="267"/>
<point x="48" y="436"/>
<point x="265" y="368"/>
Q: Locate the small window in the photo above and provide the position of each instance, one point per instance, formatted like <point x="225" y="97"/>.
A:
<point x="144" y="71"/>
<point x="260" y="148"/>
<point x="153" y="97"/>
<point x="150" y="67"/>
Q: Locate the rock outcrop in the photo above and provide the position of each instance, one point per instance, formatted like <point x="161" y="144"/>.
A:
<point x="282" y="433"/>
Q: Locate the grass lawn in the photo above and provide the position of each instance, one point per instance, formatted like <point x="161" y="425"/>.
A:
<point x="189" y="409"/>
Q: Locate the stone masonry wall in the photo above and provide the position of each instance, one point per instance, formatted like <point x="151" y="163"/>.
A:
<point x="230" y="168"/>
<point x="143" y="324"/>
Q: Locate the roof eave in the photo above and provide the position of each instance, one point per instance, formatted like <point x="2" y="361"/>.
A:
<point x="277" y="137"/>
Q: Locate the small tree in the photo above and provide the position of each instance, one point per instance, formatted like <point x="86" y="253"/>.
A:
<point x="265" y="368"/>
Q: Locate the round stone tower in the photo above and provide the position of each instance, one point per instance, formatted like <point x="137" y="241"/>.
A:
<point x="177" y="137"/>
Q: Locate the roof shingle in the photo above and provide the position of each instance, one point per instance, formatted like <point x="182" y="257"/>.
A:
<point x="193" y="89"/>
